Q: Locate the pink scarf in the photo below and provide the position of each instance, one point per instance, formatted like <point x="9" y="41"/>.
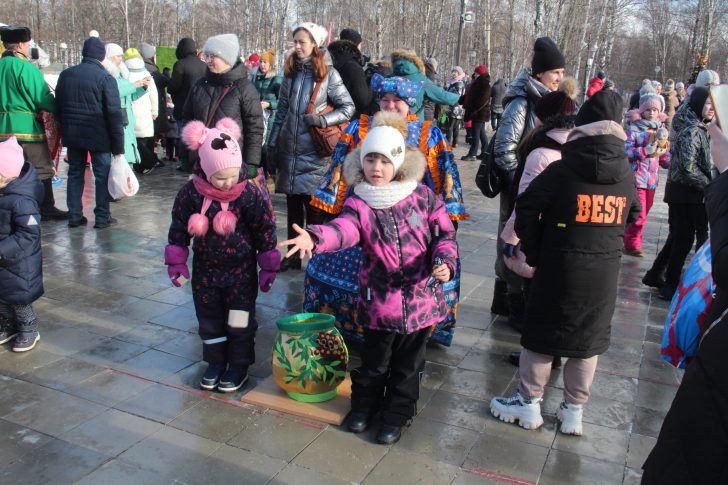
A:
<point x="225" y="221"/>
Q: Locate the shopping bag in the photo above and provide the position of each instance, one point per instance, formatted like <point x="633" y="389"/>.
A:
<point x="122" y="181"/>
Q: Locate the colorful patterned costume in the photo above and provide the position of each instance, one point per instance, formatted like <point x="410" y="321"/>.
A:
<point x="688" y="310"/>
<point x="331" y="283"/>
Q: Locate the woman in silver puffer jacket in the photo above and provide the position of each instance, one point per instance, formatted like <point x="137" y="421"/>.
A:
<point x="300" y="166"/>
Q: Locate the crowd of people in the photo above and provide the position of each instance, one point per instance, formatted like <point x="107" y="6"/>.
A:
<point x="363" y="152"/>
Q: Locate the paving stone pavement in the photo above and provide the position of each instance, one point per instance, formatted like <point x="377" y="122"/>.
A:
<point x="110" y="395"/>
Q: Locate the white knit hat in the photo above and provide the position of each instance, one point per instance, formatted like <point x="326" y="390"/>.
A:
<point x="386" y="141"/>
<point x="318" y="33"/>
<point x="113" y="50"/>
<point x="224" y="46"/>
<point x="706" y="77"/>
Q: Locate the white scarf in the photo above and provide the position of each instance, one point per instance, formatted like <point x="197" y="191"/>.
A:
<point x="385" y="196"/>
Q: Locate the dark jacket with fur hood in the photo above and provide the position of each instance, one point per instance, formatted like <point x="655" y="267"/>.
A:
<point x="347" y="60"/>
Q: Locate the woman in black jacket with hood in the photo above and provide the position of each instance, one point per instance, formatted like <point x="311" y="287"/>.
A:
<point x="226" y="92"/>
<point x="571" y="221"/>
<point x="347" y="59"/>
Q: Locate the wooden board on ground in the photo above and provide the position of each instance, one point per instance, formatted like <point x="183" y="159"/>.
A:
<point x="267" y="394"/>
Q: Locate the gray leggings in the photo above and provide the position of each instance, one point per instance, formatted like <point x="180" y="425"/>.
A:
<point x="23" y="316"/>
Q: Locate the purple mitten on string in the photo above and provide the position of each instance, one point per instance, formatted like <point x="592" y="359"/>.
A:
<point x="175" y="257"/>
<point x="270" y="263"/>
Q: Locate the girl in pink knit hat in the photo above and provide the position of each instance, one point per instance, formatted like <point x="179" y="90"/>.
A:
<point x="21" y="275"/>
<point x="233" y="230"/>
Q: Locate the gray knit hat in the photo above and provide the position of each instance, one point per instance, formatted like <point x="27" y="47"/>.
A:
<point x="224" y="46"/>
<point x="147" y="50"/>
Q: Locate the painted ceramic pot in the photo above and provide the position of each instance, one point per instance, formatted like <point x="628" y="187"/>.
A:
<point x="309" y="357"/>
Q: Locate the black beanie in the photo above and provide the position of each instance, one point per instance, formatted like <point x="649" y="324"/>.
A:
<point x="697" y="100"/>
<point x="351" y="35"/>
<point x="604" y="105"/>
<point x="94" y="48"/>
<point x="546" y="56"/>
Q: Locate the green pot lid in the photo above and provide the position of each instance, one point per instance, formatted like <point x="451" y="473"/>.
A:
<point x="306" y="322"/>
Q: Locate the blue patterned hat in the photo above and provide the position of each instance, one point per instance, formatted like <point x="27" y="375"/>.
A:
<point x="399" y="86"/>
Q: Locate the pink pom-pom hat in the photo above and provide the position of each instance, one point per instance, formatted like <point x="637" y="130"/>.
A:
<point x="217" y="147"/>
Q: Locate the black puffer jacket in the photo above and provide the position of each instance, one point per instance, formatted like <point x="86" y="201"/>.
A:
<point x="347" y="60"/>
<point x="21" y="273"/>
<point x="185" y="73"/>
<point x="571" y="222"/>
<point x="693" y="442"/>
<point x="518" y="118"/>
<point x="241" y="103"/>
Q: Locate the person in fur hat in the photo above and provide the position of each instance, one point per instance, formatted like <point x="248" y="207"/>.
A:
<point x="408" y="65"/>
<point x="648" y="149"/>
<point x="233" y="230"/>
<point x="410" y="251"/>
<point x="331" y="279"/>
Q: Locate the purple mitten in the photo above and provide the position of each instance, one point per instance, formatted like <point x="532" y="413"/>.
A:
<point x="175" y="271"/>
<point x="270" y="263"/>
<point x="266" y="279"/>
<point x="175" y="257"/>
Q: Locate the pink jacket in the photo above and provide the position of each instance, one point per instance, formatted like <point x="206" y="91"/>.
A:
<point x="400" y="244"/>
<point x="536" y="162"/>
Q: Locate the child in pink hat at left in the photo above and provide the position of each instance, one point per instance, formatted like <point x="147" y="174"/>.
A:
<point x="21" y="274"/>
<point x="232" y="228"/>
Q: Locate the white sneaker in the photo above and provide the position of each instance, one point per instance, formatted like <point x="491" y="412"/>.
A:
<point x="570" y="416"/>
<point x="515" y="407"/>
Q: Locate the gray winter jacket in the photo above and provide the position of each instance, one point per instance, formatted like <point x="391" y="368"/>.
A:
<point x="300" y="167"/>
<point x="520" y="98"/>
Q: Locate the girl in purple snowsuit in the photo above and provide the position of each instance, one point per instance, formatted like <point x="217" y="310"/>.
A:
<point x="224" y="279"/>
<point x="409" y="248"/>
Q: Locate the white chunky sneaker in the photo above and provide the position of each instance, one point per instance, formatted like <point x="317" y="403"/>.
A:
<point x="570" y="417"/>
<point x="516" y="408"/>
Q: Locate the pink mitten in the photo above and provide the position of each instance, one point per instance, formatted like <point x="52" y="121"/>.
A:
<point x="270" y="263"/>
<point x="175" y="257"/>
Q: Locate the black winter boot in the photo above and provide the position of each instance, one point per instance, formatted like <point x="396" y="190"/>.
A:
<point x="517" y="310"/>
<point x="499" y="306"/>
<point x="48" y="209"/>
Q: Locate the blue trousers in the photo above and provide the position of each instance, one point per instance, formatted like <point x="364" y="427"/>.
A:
<point x="100" y="164"/>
